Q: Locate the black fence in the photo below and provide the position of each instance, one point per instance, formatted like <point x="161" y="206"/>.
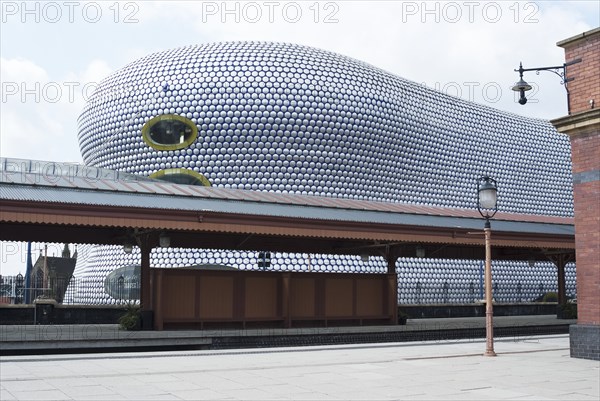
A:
<point x="473" y="292"/>
<point x="123" y="290"/>
<point x="69" y="291"/>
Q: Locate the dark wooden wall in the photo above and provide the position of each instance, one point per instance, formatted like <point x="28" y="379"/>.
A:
<point x="194" y="298"/>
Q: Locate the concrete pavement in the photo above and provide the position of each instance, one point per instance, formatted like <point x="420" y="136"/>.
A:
<point x="526" y="368"/>
<point x="41" y="339"/>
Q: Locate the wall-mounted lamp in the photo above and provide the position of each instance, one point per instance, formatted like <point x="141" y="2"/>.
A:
<point x="420" y="251"/>
<point x="523" y="86"/>
<point x="164" y="240"/>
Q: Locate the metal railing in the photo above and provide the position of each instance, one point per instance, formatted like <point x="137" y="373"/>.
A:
<point x="471" y="292"/>
<point x="123" y="290"/>
<point x="69" y="291"/>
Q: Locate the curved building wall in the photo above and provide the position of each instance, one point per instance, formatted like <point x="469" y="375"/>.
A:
<point x="289" y="118"/>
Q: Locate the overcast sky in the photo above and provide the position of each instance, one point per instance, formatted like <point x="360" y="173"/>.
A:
<point x="53" y="53"/>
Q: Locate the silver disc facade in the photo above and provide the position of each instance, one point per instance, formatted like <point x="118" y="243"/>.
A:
<point x="289" y="118"/>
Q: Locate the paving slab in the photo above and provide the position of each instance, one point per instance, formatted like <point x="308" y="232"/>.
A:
<point x="531" y="368"/>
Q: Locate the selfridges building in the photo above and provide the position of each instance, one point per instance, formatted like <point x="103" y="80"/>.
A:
<point x="288" y="118"/>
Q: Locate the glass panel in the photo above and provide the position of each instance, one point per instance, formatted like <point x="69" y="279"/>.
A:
<point x="169" y="132"/>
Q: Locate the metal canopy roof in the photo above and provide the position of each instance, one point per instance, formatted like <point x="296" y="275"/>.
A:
<point x="110" y="200"/>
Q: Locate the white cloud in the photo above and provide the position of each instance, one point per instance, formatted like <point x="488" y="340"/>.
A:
<point x="95" y="71"/>
<point x="20" y="69"/>
<point x="39" y="113"/>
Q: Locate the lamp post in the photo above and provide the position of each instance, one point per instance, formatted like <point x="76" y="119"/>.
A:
<point x="523" y="86"/>
<point x="487" y="191"/>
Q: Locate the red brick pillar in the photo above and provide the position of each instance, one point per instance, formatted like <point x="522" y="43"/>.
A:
<point x="583" y="128"/>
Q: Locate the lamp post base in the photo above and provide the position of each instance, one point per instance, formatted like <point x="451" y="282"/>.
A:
<point x="489" y="329"/>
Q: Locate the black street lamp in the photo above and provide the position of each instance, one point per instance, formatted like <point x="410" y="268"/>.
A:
<point x="523" y="86"/>
<point x="487" y="191"/>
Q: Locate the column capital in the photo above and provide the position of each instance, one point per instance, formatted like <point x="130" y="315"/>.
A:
<point x="580" y="124"/>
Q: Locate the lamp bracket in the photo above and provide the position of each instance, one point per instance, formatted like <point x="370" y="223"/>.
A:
<point x="554" y="69"/>
<point x="564" y="79"/>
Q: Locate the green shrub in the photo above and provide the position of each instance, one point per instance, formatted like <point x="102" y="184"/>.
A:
<point x="131" y="320"/>
<point x="550" y="297"/>
<point x="402" y="317"/>
<point x="568" y="310"/>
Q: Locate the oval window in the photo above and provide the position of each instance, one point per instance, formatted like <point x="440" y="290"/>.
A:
<point x="181" y="176"/>
<point x="124" y="283"/>
<point x="169" y="132"/>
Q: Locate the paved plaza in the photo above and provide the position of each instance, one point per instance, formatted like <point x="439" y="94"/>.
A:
<point x="56" y="339"/>
<point x="526" y="368"/>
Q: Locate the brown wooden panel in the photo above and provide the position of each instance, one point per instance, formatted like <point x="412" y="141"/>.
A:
<point x="285" y="299"/>
<point x="338" y="297"/>
<point x="392" y="298"/>
<point x="216" y="296"/>
<point x="261" y="297"/>
<point x="157" y="282"/>
<point x="369" y="301"/>
<point x="178" y="294"/>
<point x="186" y="295"/>
<point x="239" y="296"/>
<point x="302" y="297"/>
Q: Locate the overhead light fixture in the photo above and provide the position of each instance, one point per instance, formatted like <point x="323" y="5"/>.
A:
<point x="488" y="198"/>
<point x="522" y="86"/>
<point x="164" y="240"/>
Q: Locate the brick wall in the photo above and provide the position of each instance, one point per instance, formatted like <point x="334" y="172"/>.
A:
<point x="586" y="83"/>
<point x="585" y="341"/>
<point x="587" y="239"/>
<point x="583" y="128"/>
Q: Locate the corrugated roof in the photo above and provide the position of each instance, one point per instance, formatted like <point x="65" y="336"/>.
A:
<point x="23" y="186"/>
